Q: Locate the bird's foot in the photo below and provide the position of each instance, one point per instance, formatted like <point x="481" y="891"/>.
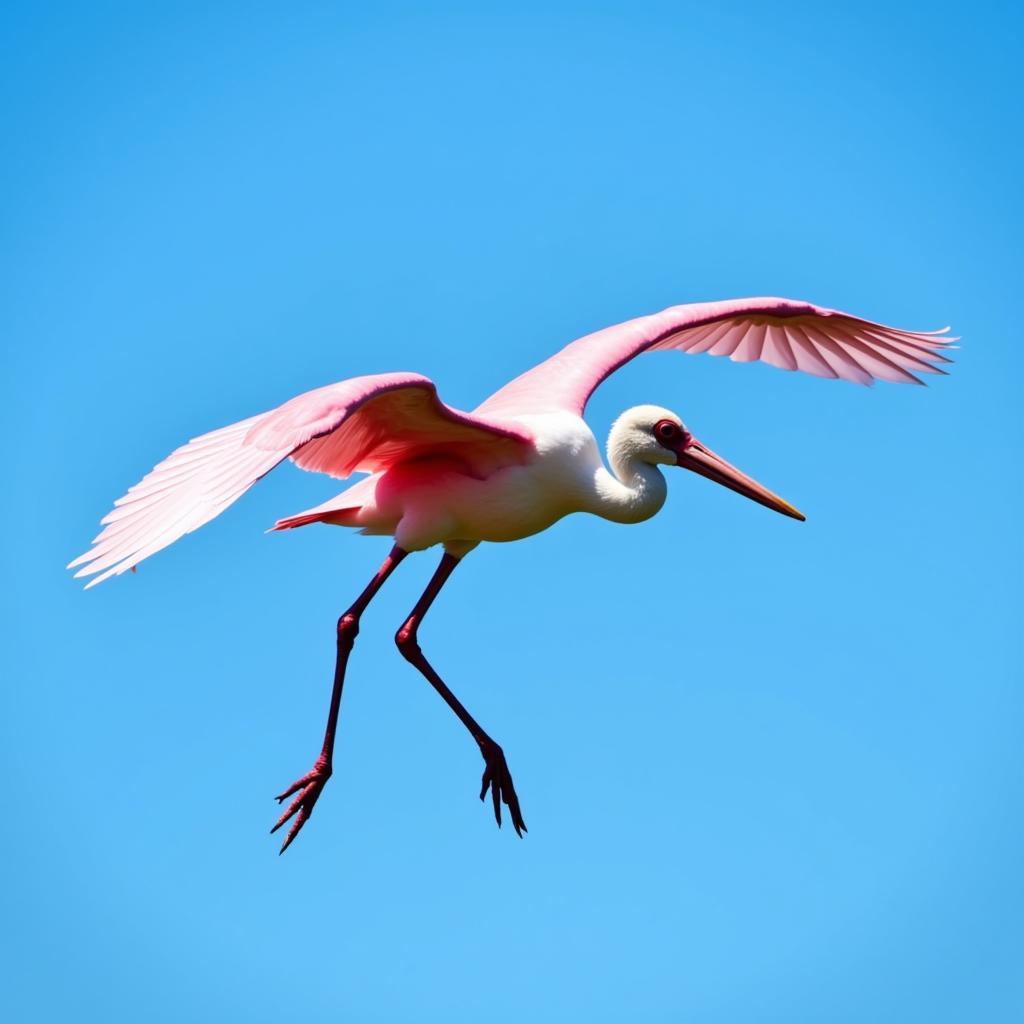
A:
<point x="309" y="788"/>
<point x="498" y="779"/>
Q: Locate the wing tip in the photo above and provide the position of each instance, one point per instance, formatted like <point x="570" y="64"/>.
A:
<point x="89" y="569"/>
<point x="115" y="570"/>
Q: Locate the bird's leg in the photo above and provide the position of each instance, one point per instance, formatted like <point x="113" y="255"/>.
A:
<point x="311" y="785"/>
<point x="496" y="775"/>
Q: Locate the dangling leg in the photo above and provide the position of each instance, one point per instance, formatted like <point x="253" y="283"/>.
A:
<point x="496" y="774"/>
<point x="311" y="785"/>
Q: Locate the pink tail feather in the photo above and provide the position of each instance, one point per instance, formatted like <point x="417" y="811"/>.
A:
<point x="334" y="517"/>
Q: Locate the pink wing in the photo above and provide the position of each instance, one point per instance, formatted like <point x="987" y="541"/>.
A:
<point x="788" y="334"/>
<point x="366" y="423"/>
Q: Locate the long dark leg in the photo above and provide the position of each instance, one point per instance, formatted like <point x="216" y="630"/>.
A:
<point x="311" y="785"/>
<point x="496" y="774"/>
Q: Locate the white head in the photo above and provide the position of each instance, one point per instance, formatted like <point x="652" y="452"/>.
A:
<point x="648" y="435"/>
<point x="634" y="438"/>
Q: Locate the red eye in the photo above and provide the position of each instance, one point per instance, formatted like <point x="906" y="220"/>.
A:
<point x="666" y="430"/>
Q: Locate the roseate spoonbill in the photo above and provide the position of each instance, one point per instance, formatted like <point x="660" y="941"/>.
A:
<point x="514" y="466"/>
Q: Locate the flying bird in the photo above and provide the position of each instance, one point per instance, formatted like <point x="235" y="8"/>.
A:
<point x="513" y="467"/>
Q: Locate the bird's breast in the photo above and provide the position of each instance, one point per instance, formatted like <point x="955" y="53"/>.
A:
<point x="442" y="502"/>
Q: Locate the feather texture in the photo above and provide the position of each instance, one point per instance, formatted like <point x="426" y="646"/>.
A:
<point x="366" y="423"/>
<point x="785" y="333"/>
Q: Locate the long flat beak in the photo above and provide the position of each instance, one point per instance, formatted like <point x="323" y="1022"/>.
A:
<point x="696" y="457"/>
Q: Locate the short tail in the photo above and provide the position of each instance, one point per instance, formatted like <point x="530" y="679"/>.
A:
<point x="334" y="517"/>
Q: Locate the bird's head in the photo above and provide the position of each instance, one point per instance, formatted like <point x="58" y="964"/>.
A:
<point x="651" y="434"/>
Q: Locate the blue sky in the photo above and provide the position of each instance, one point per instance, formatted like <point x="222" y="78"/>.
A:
<point x="772" y="771"/>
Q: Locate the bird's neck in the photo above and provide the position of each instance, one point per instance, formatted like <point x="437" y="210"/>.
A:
<point x="634" y="493"/>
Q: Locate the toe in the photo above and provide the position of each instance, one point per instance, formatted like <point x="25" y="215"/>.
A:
<point x="294" y="830"/>
<point x="292" y="808"/>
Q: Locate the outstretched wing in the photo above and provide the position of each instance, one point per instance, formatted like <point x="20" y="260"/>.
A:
<point x="788" y="334"/>
<point x="366" y="423"/>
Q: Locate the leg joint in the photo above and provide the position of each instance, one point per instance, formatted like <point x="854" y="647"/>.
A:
<point x="405" y="638"/>
<point x="348" y="627"/>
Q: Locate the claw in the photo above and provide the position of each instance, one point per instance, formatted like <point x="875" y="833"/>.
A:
<point x="515" y="813"/>
<point x="294" y="830"/>
<point x="293" y="788"/>
<point x="292" y="808"/>
<point x="308" y="788"/>
<point x="496" y="798"/>
<point x="497" y="778"/>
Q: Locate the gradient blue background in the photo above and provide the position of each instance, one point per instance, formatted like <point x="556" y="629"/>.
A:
<point x="772" y="771"/>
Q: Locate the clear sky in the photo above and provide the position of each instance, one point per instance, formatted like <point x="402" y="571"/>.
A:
<point x="772" y="771"/>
